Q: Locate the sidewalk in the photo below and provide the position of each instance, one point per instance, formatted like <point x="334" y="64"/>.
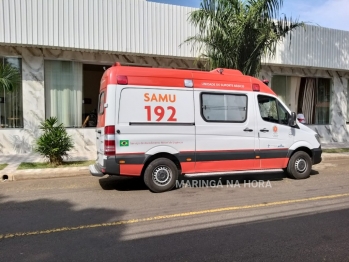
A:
<point x="335" y="145"/>
<point x="11" y="173"/>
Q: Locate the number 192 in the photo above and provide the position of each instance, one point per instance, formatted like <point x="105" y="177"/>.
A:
<point x="159" y="111"/>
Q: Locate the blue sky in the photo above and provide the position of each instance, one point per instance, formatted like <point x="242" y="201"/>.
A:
<point x="326" y="13"/>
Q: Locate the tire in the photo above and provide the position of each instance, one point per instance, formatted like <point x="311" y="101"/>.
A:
<point x="299" y="166"/>
<point x="161" y="175"/>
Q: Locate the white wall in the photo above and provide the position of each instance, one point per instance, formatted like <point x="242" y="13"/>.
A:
<point x="126" y="26"/>
<point x="336" y="131"/>
<point x="141" y="27"/>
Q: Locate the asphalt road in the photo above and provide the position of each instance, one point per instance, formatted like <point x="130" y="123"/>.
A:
<point x="234" y="219"/>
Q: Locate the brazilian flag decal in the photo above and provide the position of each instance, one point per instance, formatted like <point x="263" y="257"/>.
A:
<point x="124" y="143"/>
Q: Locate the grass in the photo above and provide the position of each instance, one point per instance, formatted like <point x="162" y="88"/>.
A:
<point x="2" y="166"/>
<point x="27" y="165"/>
<point x="336" y="150"/>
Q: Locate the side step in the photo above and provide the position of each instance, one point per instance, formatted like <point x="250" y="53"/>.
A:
<point x="232" y="172"/>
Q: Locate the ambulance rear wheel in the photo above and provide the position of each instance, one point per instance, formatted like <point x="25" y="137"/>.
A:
<point x="161" y="175"/>
<point x="299" y="166"/>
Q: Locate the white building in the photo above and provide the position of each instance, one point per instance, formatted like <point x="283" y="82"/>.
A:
<point x="62" y="46"/>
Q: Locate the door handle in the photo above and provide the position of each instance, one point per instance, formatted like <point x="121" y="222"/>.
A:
<point x="264" y="130"/>
<point x="248" y="130"/>
<point x="99" y="131"/>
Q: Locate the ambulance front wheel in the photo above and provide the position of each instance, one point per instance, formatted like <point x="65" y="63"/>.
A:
<point x="299" y="165"/>
<point x="161" y="175"/>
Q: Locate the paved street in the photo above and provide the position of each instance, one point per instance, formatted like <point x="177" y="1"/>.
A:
<point x="236" y="219"/>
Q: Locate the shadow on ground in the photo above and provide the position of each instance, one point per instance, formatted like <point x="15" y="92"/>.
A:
<point x="46" y="216"/>
<point x="120" y="183"/>
<point x="310" y="237"/>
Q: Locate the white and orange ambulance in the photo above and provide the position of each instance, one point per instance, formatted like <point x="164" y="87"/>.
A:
<point x="162" y="123"/>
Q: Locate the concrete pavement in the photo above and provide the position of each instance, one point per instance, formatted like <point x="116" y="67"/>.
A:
<point x="108" y="219"/>
<point x="10" y="173"/>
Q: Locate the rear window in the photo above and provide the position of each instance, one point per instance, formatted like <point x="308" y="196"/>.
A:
<point x="101" y="102"/>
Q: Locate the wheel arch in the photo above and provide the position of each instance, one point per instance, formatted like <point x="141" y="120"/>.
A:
<point x="150" y="158"/>
<point x="302" y="148"/>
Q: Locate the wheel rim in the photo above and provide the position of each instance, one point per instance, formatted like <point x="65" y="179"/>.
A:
<point x="301" y="165"/>
<point x="162" y="175"/>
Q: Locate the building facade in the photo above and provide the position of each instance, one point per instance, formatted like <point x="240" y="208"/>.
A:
<point x="62" y="48"/>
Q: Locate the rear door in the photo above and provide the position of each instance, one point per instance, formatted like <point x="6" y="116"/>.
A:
<point x="100" y="125"/>
<point x="157" y="120"/>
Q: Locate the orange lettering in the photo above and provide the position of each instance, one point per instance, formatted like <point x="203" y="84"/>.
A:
<point x="172" y="99"/>
<point x="162" y="98"/>
<point x="146" y="97"/>
<point x="153" y="98"/>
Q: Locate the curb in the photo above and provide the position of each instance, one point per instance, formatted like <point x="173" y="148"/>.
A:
<point x="326" y="156"/>
<point x="46" y="173"/>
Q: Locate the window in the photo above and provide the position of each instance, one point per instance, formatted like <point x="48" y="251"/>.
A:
<point x="92" y="75"/>
<point x="11" y="102"/>
<point x="314" y="100"/>
<point x="281" y="85"/>
<point x="224" y="107"/>
<point x="272" y="110"/>
<point x="322" y="102"/>
<point x="63" y="92"/>
<point x="101" y="103"/>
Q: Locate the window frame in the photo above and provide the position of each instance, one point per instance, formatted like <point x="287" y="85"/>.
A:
<point x="219" y="93"/>
<point x="278" y="104"/>
<point x="99" y="103"/>
<point x="330" y="106"/>
<point x="21" y="98"/>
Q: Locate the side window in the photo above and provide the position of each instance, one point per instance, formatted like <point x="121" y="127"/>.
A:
<point x="223" y="107"/>
<point x="272" y="111"/>
<point x="268" y="109"/>
<point x="101" y="102"/>
<point x="283" y="114"/>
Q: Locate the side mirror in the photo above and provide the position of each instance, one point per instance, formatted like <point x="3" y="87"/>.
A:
<point x="292" y="120"/>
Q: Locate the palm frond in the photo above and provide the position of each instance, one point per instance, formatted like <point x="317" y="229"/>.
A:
<point x="238" y="33"/>
<point x="10" y="77"/>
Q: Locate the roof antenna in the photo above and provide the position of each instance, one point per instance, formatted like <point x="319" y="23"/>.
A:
<point x="220" y="70"/>
<point x="104" y="68"/>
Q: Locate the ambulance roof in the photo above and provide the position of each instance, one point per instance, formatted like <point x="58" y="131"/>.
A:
<point x="219" y="79"/>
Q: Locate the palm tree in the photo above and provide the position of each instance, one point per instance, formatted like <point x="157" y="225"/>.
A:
<point x="238" y="33"/>
<point x="10" y="79"/>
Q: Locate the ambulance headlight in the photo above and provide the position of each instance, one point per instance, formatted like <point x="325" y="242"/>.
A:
<point x="318" y="138"/>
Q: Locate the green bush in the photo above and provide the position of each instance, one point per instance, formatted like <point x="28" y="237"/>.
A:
<point x="54" y="143"/>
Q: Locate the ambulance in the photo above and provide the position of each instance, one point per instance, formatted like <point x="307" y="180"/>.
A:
<point x="159" y="124"/>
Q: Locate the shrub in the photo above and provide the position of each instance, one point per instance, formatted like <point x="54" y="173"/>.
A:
<point x="54" y="143"/>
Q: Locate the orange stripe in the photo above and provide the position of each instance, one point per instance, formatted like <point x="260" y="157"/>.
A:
<point x="215" y="166"/>
<point x="188" y="167"/>
<point x="131" y="169"/>
<point x="274" y="163"/>
<point x="227" y="165"/>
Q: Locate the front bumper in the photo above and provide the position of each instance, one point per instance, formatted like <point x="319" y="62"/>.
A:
<point x="317" y="155"/>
